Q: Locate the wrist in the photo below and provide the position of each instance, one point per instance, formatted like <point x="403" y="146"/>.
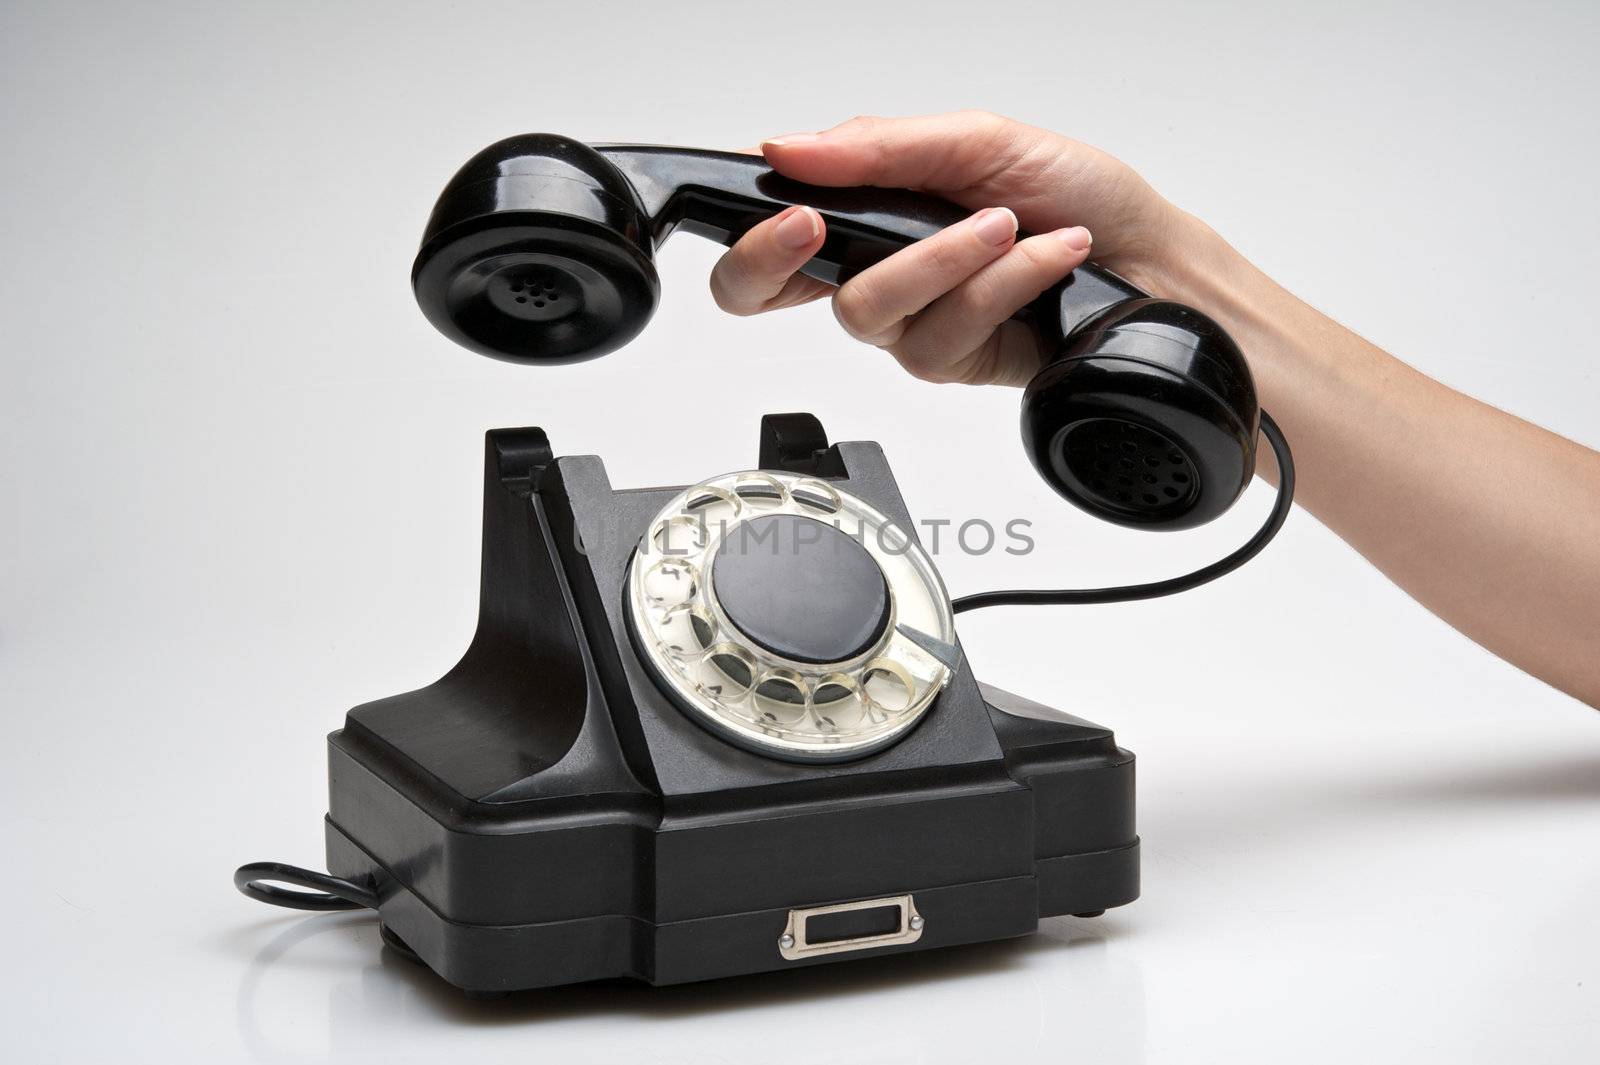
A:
<point x="1197" y="267"/>
<point x="1183" y="259"/>
<point x="1300" y="359"/>
<point x="1288" y="344"/>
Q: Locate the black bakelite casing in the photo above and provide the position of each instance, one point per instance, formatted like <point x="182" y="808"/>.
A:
<point x="544" y="814"/>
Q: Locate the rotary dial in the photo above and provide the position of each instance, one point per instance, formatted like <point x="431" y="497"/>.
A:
<point x="790" y="617"/>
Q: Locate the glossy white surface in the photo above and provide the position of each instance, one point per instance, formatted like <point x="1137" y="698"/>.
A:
<point x="241" y="495"/>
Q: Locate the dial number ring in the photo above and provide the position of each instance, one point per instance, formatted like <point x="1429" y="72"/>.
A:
<point x="797" y="711"/>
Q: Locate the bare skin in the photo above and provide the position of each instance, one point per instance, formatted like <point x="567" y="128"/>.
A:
<point x="1501" y="540"/>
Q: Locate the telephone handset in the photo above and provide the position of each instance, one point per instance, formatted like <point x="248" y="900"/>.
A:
<point x="541" y="250"/>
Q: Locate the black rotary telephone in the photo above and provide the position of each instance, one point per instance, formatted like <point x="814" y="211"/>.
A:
<point x="726" y="728"/>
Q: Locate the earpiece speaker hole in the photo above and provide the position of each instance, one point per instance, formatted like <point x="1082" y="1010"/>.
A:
<point x="1105" y="455"/>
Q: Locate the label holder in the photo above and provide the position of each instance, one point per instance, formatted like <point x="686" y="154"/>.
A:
<point x="794" y="945"/>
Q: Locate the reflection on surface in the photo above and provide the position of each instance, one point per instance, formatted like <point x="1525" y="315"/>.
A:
<point x="1026" y="995"/>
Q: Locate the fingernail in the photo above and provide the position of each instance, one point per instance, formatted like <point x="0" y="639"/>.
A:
<point x="799" y="228"/>
<point x="995" y="225"/>
<point x="1077" y="238"/>
<point x="789" y="138"/>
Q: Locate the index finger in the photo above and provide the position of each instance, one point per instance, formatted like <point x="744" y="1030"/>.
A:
<point x="761" y="269"/>
<point x="938" y="153"/>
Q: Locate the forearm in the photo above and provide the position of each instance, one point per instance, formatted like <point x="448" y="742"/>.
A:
<point x="1490" y="522"/>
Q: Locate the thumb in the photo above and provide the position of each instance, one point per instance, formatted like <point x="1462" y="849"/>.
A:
<point x="954" y="155"/>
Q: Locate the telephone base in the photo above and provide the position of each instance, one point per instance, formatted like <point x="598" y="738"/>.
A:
<point x="545" y="814"/>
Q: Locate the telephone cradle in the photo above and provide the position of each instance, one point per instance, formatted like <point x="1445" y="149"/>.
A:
<point x="804" y="770"/>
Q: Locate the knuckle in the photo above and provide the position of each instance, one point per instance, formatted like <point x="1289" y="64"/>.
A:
<point x="946" y="367"/>
<point x="985" y="123"/>
<point x="1038" y="257"/>
<point x="934" y="373"/>
<point x="974" y="301"/>
<point x="949" y="257"/>
<point x="855" y="308"/>
<point x="726" y="291"/>
<point x="982" y="366"/>
<point x="719" y="294"/>
<point x="858" y="124"/>
<point x="930" y="366"/>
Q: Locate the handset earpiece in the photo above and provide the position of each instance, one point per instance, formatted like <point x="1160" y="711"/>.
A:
<point x="538" y="251"/>
<point x="1146" y="416"/>
<point x="541" y="250"/>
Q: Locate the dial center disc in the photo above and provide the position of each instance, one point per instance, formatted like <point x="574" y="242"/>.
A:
<point x="800" y="588"/>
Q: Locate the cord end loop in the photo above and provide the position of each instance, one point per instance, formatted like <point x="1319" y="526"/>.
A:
<point x="328" y="892"/>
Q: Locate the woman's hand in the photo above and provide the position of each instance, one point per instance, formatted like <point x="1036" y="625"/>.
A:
<point x="942" y="306"/>
<point x="1487" y="520"/>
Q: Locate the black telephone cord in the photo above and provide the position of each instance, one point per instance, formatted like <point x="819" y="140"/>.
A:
<point x="328" y="892"/>
<point x="1172" y="585"/>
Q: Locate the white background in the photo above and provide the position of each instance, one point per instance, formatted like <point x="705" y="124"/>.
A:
<point x="240" y="494"/>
